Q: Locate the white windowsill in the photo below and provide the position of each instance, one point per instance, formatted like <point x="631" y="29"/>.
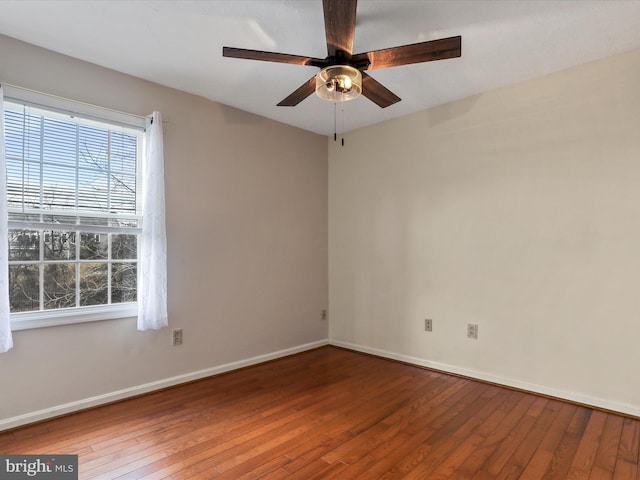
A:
<point x="52" y="318"/>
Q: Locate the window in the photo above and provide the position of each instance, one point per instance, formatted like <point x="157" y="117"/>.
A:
<point x="74" y="215"/>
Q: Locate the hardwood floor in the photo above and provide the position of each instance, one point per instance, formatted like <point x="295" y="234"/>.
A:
<point x="335" y="414"/>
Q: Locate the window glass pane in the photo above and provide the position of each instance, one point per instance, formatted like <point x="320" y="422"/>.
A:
<point x="13" y="126"/>
<point x="124" y="277"/>
<point x="123" y="172"/>
<point x="124" y="247"/>
<point x="59" y="245"/>
<point x="93" y="147"/>
<point x="22" y="134"/>
<point x="94" y="289"/>
<point x="93" y="246"/>
<point x="123" y="152"/>
<point x="23" y="184"/>
<point x="58" y="187"/>
<point x="93" y="186"/>
<point x="59" y="285"/>
<point x="123" y="193"/>
<point x="24" y="245"/>
<point x="59" y="142"/>
<point x="24" y="288"/>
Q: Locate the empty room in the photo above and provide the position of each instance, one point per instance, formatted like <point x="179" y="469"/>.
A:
<point x="319" y="239"/>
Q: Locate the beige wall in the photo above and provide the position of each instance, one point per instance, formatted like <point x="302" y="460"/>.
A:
<point x="247" y="235"/>
<point x="517" y="210"/>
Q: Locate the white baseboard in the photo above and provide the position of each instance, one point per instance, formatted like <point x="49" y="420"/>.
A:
<point x="587" y="400"/>
<point x="66" y="408"/>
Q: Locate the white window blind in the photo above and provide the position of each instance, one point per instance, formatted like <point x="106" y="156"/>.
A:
<point x="63" y="170"/>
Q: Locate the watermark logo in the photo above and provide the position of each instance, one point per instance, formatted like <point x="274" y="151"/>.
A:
<point x="38" y="467"/>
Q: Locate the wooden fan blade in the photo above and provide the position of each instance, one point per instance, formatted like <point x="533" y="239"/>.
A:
<point x="300" y="94"/>
<point x="271" y="56"/>
<point x="377" y="93"/>
<point x="415" y="53"/>
<point x="339" y="25"/>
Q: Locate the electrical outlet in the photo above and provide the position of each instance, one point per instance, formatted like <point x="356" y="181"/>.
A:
<point x="323" y="314"/>
<point x="428" y="325"/>
<point x="176" y="336"/>
<point x="472" y="331"/>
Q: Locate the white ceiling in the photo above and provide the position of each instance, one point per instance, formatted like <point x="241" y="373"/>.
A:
<point x="179" y="44"/>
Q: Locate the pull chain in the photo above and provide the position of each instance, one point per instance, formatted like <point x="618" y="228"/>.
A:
<point x="342" y="118"/>
<point x="335" y="121"/>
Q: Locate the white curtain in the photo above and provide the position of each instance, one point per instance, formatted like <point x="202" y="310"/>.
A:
<point x="152" y="287"/>
<point x="6" y="341"/>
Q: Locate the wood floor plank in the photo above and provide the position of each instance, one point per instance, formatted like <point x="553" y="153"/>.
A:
<point x="449" y="452"/>
<point x="417" y="446"/>
<point x="381" y="433"/>
<point x="626" y="467"/>
<point x="275" y="475"/>
<point x="487" y="434"/>
<point x="335" y="414"/>
<point x="301" y="456"/>
<point x="586" y="453"/>
<point x="629" y="449"/>
<point x="625" y="470"/>
<point x="384" y="460"/>
<point x="543" y="456"/>
<point x="527" y="447"/>
<point x="606" y="456"/>
<point x="514" y="438"/>
<point x="478" y="457"/>
<point x="565" y="452"/>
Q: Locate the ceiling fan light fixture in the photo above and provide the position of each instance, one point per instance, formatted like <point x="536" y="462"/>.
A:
<point x="338" y="83"/>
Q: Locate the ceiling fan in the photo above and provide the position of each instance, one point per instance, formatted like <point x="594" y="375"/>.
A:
<point x="342" y="75"/>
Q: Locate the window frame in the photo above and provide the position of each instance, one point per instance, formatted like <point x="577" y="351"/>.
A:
<point x="90" y="113"/>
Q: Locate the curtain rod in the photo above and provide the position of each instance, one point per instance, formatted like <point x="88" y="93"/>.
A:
<point x="90" y="105"/>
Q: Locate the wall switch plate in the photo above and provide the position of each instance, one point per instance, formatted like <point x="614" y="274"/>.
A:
<point x="176" y="336"/>
<point x="472" y="331"/>
<point x="428" y="325"/>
